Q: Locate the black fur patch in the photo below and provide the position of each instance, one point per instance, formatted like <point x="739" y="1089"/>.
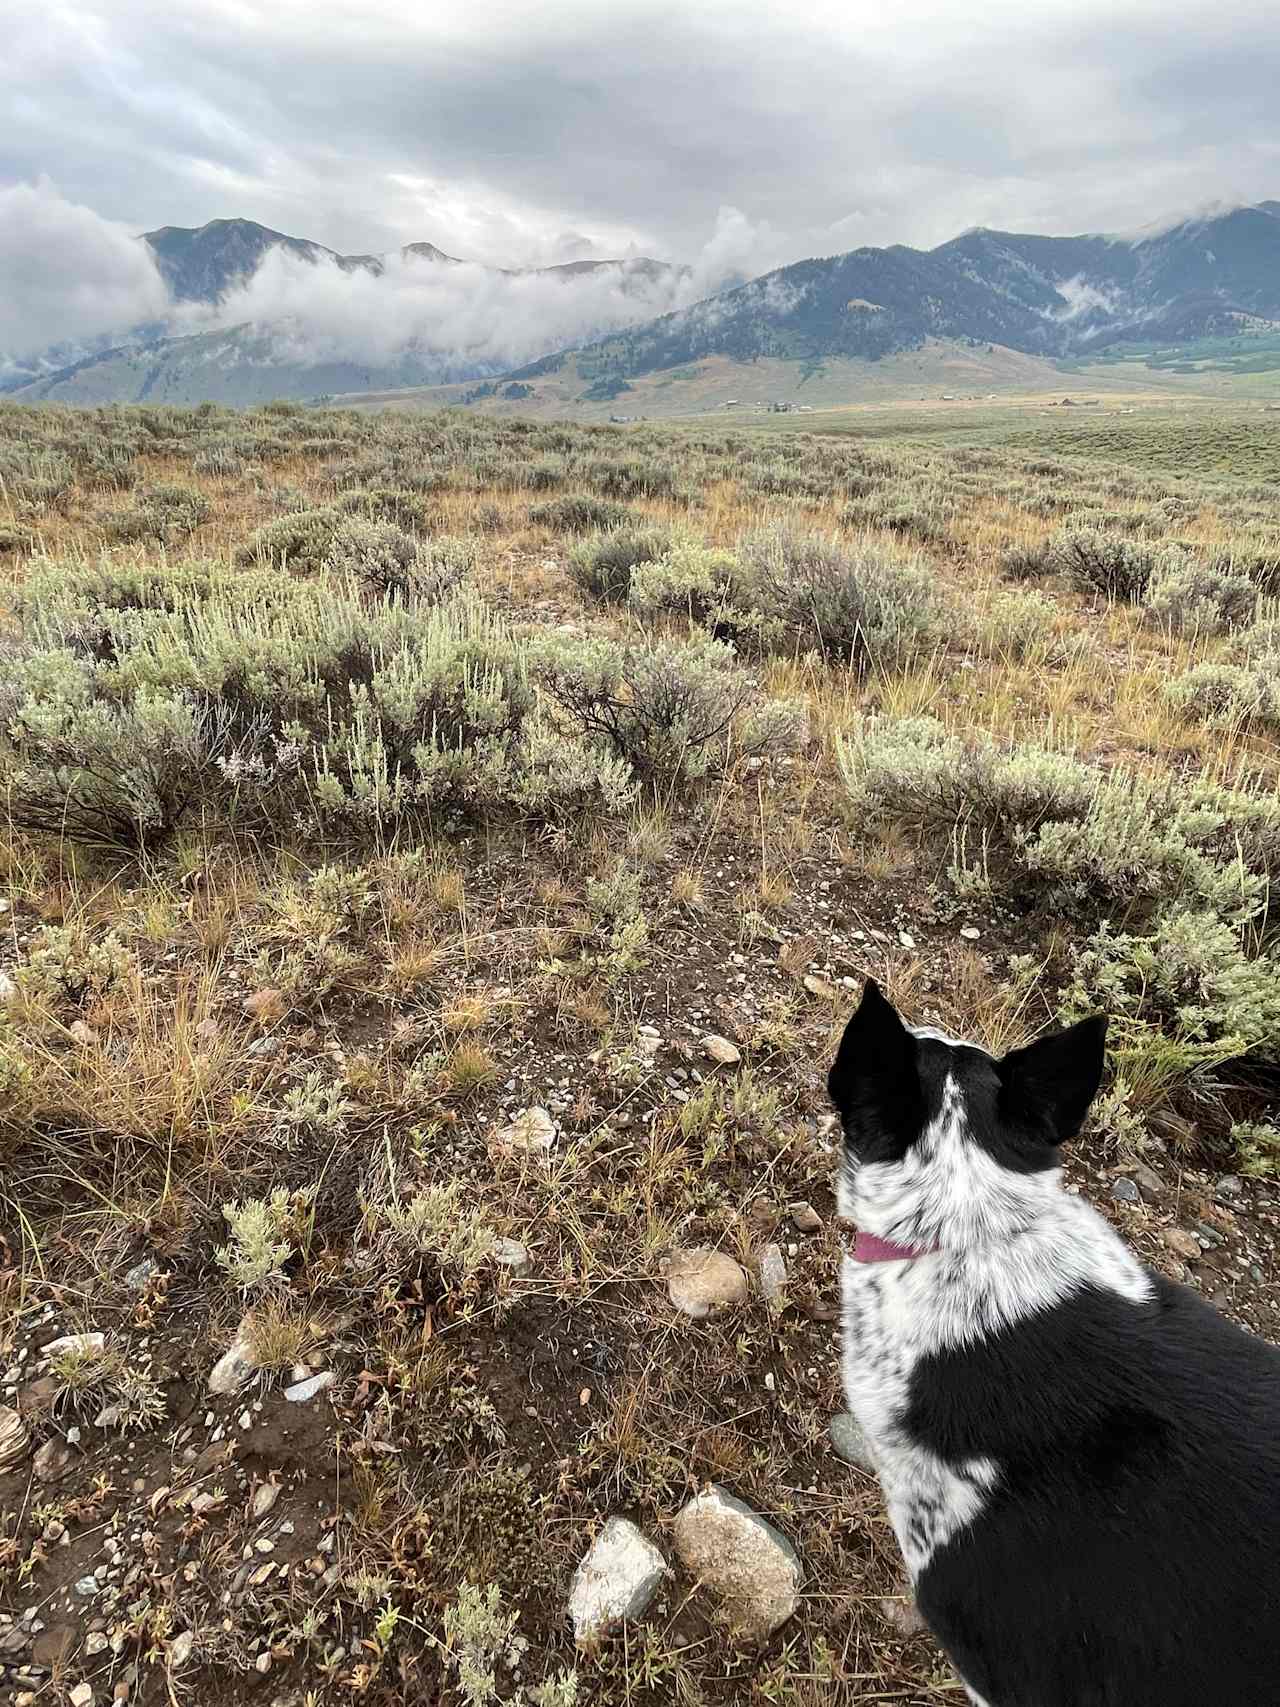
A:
<point x="1129" y="1555"/>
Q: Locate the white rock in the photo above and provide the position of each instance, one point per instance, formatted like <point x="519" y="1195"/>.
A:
<point x="751" y="1568"/>
<point x="511" y="1254"/>
<point x="234" y="1367"/>
<point x="700" y="1281"/>
<point x="180" y="1649"/>
<point x="850" y="1442"/>
<point x="616" y="1580"/>
<point x="81" y="1695"/>
<point x="301" y="1391"/>
<point x="52" y="1460"/>
<point x="15" y="1438"/>
<point x="970" y="933"/>
<point x="773" y="1276"/>
<point x="8" y="989"/>
<point x="78" y="1345"/>
<point x="96" y="1643"/>
<point x="264" y="1499"/>
<point x="720" y="1050"/>
<point x="532" y="1130"/>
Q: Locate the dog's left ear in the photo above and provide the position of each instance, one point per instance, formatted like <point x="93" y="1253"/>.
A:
<point x="1046" y="1088"/>
<point x="875" y="1078"/>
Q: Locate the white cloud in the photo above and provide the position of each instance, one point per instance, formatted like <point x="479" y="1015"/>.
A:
<point x="66" y="274"/>
<point x="317" y="313"/>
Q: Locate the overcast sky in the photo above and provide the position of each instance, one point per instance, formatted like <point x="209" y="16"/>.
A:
<point x="735" y="135"/>
<point x="524" y="132"/>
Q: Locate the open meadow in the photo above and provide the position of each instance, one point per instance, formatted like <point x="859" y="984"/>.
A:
<point x="437" y="857"/>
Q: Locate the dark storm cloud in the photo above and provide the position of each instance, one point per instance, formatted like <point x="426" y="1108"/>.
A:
<point x="733" y="135"/>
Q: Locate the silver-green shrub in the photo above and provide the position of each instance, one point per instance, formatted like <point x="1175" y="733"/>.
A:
<point x="858" y="603"/>
<point x="673" y="712"/>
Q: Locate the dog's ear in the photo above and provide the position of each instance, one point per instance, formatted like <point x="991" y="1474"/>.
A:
<point x="875" y="1078"/>
<point x="1046" y="1088"/>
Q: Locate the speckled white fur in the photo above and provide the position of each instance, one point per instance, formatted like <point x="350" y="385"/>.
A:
<point x="1010" y="1244"/>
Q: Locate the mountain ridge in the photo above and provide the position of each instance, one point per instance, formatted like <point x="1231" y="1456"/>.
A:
<point x="1044" y="296"/>
<point x="201" y="263"/>
<point x="1216" y="274"/>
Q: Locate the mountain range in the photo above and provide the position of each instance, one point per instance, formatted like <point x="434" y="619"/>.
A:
<point x="210" y="272"/>
<point x="1050" y="298"/>
<point x="1045" y="296"/>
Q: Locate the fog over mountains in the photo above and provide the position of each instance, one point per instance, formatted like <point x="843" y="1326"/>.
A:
<point x="236" y="312"/>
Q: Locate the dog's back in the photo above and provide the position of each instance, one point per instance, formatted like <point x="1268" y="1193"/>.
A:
<point x="1081" y="1460"/>
<point x="1129" y="1553"/>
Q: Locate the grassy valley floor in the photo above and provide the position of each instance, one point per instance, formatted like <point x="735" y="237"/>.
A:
<point x="438" y="856"/>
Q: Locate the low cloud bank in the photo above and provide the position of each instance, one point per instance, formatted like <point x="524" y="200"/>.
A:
<point x="70" y="279"/>
<point x="67" y="275"/>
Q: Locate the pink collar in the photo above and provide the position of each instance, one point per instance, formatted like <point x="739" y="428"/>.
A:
<point x="868" y="1248"/>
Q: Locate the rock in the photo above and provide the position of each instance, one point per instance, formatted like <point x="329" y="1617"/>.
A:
<point x="1182" y="1243"/>
<point x="81" y="1695"/>
<point x="234" y="1367"/>
<point x="52" y="1461"/>
<point x="773" y="1276"/>
<point x="513" y="1256"/>
<point x="264" y="1498"/>
<point x="532" y="1130"/>
<point x="752" y="1570"/>
<point x="700" y="1281"/>
<point x="823" y="988"/>
<point x="902" y="1614"/>
<point x="15" y="1439"/>
<point x="720" y="1050"/>
<point x="1125" y="1191"/>
<point x="87" y="1587"/>
<point x="1229" y="1186"/>
<point x="82" y="1034"/>
<point x="1148" y="1179"/>
<point x="616" y="1580"/>
<point x="906" y="939"/>
<point x="8" y="989"/>
<point x="970" y="933"/>
<point x="96" y="1643"/>
<point x="77" y="1345"/>
<point x="14" y="1641"/>
<point x="262" y="1664"/>
<point x="180" y="1650"/>
<point x="849" y="1442"/>
<point x="301" y="1391"/>
<point x="140" y="1274"/>
<point x="804" y="1218"/>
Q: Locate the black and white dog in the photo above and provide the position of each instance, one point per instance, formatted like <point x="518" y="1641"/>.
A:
<point x="1081" y="1461"/>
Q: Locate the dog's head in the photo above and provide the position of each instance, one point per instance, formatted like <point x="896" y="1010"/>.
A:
<point x="945" y="1144"/>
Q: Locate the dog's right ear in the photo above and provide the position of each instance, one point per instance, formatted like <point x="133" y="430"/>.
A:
<point x="875" y="1078"/>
